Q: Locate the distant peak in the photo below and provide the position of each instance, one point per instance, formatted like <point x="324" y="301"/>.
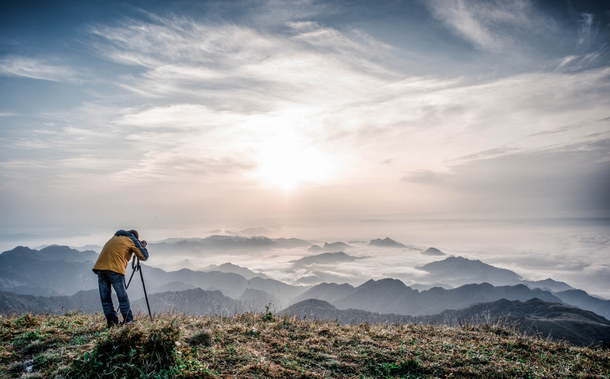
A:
<point x="386" y="242"/>
<point x="20" y="250"/>
<point x="383" y="282"/>
<point x="311" y="303"/>
<point x="432" y="251"/>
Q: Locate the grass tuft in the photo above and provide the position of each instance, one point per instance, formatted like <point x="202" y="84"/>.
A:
<point x="134" y="350"/>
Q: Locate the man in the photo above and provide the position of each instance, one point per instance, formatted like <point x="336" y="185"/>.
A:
<point x="110" y="269"/>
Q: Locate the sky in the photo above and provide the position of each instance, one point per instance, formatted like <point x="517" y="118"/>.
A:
<point x="178" y="116"/>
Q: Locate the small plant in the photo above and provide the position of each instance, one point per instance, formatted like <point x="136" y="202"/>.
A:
<point x="268" y="315"/>
<point x="203" y="338"/>
<point x="28" y="320"/>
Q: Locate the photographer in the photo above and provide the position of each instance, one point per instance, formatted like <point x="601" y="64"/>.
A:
<point x="110" y="269"/>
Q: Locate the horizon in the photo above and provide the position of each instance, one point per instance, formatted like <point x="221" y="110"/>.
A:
<point x="574" y="253"/>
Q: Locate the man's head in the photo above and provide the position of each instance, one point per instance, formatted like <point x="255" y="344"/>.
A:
<point x="135" y="233"/>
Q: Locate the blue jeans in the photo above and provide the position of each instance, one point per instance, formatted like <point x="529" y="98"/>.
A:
<point x="106" y="280"/>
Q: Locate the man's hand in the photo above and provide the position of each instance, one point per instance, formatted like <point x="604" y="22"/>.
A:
<point x="143" y="243"/>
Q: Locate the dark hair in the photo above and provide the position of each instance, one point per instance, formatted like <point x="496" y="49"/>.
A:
<point x="135" y="233"/>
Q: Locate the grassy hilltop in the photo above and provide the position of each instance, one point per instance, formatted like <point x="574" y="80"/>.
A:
<point x="77" y="345"/>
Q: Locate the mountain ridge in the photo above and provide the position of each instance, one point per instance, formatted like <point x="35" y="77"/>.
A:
<point x="533" y="317"/>
<point x="24" y="270"/>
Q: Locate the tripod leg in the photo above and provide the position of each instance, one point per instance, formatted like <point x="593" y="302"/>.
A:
<point x="133" y="271"/>
<point x="131" y="277"/>
<point x="145" y="294"/>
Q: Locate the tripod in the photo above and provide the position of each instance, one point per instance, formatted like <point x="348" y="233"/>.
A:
<point x="136" y="267"/>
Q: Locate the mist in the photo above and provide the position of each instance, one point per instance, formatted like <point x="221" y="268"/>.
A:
<point x="574" y="251"/>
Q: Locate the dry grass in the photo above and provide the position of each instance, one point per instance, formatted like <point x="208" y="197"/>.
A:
<point x="259" y="346"/>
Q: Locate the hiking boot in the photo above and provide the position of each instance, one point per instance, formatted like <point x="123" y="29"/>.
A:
<point x="112" y="320"/>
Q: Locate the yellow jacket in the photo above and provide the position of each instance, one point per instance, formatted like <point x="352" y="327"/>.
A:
<point x="116" y="254"/>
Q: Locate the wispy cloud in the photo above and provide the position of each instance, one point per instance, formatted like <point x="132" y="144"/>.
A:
<point x="238" y="86"/>
<point x="491" y="25"/>
<point x="185" y="55"/>
<point x="183" y="166"/>
<point x="586" y="31"/>
<point x="179" y="117"/>
<point x="32" y="68"/>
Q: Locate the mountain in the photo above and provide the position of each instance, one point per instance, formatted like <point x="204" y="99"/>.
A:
<point x="458" y="271"/>
<point x="436" y="300"/>
<point x="46" y="271"/>
<point x="315" y="249"/>
<point x="87" y="301"/>
<point x="281" y="290"/>
<point x="336" y="246"/>
<point x="533" y="317"/>
<point x="387" y="242"/>
<point x="192" y="302"/>
<point x="171" y="287"/>
<point x="49" y="253"/>
<point x="583" y="300"/>
<point x="230" y="267"/>
<point x="376" y="296"/>
<point x="548" y="285"/>
<point x="65" y="253"/>
<point x="433" y="300"/>
<point x="257" y="301"/>
<point x="325" y="258"/>
<point x="12" y="303"/>
<point x="432" y="251"/>
<point x="198" y="246"/>
<point x="95" y="248"/>
<point x="229" y="284"/>
<point x="330" y="292"/>
<point x="27" y="271"/>
<point x="315" y="277"/>
<point x="393" y="296"/>
<point x="313" y="309"/>
<point x="289" y="243"/>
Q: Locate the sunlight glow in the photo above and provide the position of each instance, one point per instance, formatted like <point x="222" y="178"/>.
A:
<point x="286" y="160"/>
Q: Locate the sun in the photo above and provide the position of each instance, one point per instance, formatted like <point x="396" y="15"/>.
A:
<point x="287" y="161"/>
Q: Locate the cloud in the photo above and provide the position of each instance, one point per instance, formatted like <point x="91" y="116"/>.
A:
<point x="178" y="117"/>
<point x="425" y="177"/>
<point x="182" y="166"/>
<point x="586" y="31"/>
<point x="566" y="178"/>
<point x="239" y="89"/>
<point x="25" y="67"/>
<point x="227" y="65"/>
<point x="490" y="25"/>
